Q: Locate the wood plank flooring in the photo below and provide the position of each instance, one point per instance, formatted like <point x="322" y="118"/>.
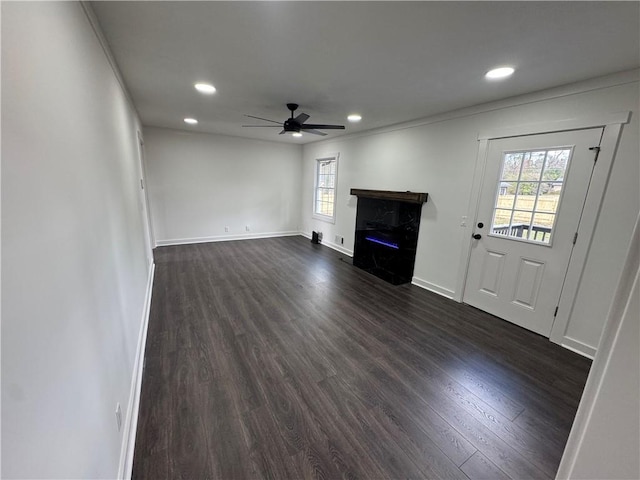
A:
<point x="276" y="358"/>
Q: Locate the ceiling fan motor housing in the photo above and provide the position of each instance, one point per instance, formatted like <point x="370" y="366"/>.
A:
<point x="291" y="126"/>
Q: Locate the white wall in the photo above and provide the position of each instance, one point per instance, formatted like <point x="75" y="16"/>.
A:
<point x="199" y="183"/>
<point x="438" y="156"/>
<point x="74" y="258"/>
<point x="605" y="438"/>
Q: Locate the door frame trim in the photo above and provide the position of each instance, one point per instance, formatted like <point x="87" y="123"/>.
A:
<point x="147" y="214"/>
<point x="566" y="125"/>
<point x="586" y="229"/>
<point x="612" y="124"/>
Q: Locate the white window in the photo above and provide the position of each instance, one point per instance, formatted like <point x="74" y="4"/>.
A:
<point x="324" y="204"/>
<point x="529" y="193"/>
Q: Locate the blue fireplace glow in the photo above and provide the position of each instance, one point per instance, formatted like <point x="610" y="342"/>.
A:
<point x="382" y="242"/>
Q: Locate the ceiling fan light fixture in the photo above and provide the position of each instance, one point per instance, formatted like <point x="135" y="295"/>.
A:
<point x="296" y="124"/>
<point x="205" y="88"/>
<point x="191" y="121"/>
<point x="499" y="72"/>
<point x="354" y="117"/>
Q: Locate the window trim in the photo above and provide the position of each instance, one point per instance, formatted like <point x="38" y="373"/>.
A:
<point x="320" y="216"/>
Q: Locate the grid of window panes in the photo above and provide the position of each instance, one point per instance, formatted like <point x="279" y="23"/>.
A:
<point x="325" y="187"/>
<point x="529" y="192"/>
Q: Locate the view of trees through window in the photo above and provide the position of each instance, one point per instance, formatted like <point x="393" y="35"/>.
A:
<point x="529" y="192"/>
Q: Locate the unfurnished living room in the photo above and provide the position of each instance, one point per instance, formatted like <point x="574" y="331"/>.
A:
<point x="291" y="239"/>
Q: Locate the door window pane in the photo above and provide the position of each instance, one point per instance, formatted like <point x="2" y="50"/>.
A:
<point x="542" y="226"/>
<point x="511" y="166"/>
<point x="556" y="165"/>
<point x="532" y="166"/>
<point x="520" y="224"/>
<point x="529" y="193"/>
<point x="501" y="221"/>
<point x="526" y="198"/>
<point x="506" y="194"/>
<point x="549" y="197"/>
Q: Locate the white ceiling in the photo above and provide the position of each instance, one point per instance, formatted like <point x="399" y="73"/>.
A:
<point x="389" y="61"/>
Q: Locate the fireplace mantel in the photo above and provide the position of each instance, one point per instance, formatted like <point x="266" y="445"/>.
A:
<point x="410" y="197"/>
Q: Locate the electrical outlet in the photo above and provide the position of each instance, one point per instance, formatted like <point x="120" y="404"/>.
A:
<point x="247" y="228"/>
<point x="226" y="229"/>
<point x="463" y="221"/>
<point x="118" y="416"/>
<point x="339" y="240"/>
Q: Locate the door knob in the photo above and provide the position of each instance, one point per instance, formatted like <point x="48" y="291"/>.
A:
<point x="477" y="236"/>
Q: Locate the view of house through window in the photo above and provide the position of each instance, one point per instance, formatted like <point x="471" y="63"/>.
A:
<point x="529" y="192"/>
<point x="326" y="172"/>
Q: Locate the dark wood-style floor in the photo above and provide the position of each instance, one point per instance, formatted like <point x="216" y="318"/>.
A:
<point x="277" y="358"/>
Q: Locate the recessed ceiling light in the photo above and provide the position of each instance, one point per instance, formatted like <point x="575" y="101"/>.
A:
<point x="354" y="117"/>
<point x="191" y="121"/>
<point x="205" y="88"/>
<point x="296" y="134"/>
<point x="500" y="72"/>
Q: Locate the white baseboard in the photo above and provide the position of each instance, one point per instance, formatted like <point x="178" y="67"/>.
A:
<point x="131" y="420"/>
<point x="334" y="246"/>
<point x="578" y="347"/>
<point x="224" y="238"/>
<point x="338" y="248"/>
<point x="432" y="287"/>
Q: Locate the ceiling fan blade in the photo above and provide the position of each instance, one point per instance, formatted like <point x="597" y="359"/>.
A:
<point x="303" y="117"/>
<point x="311" y="130"/>
<point x="267" y="126"/>
<point x="282" y="132"/>
<point x="265" y="119"/>
<point x="325" y="127"/>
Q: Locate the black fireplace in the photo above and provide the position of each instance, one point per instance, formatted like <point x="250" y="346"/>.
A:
<point x="386" y="239"/>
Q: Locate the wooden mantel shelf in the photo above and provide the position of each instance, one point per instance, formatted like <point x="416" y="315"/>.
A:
<point x="410" y="197"/>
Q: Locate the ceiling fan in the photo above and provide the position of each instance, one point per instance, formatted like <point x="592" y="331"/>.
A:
<point x="296" y="124"/>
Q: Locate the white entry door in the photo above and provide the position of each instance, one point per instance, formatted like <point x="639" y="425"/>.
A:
<point x="533" y="194"/>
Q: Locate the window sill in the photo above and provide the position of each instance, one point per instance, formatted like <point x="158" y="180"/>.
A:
<point x="324" y="218"/>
